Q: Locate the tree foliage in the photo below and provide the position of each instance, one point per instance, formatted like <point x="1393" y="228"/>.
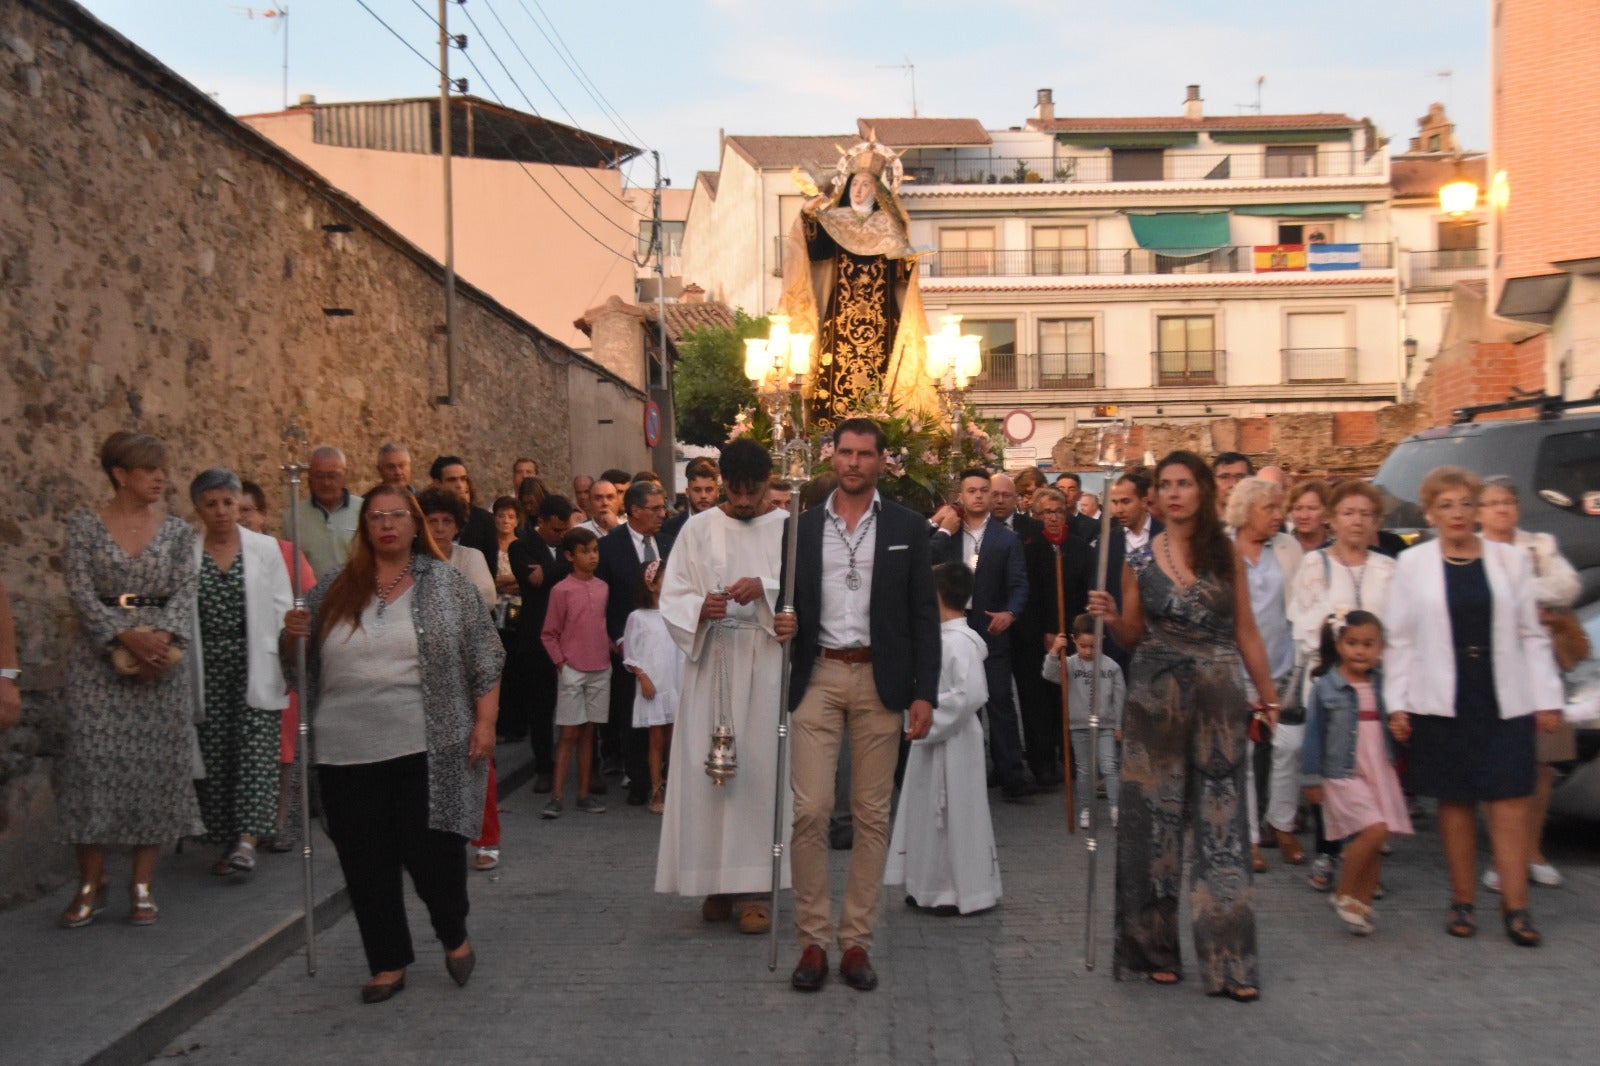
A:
<point x="708" y="383"/>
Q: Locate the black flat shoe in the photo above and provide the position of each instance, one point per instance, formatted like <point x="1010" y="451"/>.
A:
<point x="460" y="966"/>
<point x="378" y="993"/>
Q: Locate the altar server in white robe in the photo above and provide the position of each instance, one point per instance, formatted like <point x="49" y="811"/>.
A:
<point x="942" y="848"/>
<point x="718" y="599"/>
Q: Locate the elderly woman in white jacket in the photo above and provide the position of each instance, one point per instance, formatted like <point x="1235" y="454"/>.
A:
<point x="243" y="593"/>
<point x="1467" y="675"/>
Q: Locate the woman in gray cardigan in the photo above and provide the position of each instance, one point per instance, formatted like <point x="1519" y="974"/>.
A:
<point x="403" y="690"/>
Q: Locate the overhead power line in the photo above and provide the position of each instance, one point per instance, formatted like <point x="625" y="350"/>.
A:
<point x="495" y="132"/>
<point x="564" y="54"/>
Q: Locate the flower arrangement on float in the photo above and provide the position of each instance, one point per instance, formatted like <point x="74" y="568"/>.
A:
<point x="926" y="453"/>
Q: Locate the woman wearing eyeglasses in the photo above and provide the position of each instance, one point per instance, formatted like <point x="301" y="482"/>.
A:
<point x="1468" y="676"/>
<point x="403" y="688"/>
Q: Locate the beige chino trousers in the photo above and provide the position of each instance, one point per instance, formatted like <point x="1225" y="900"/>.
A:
<point x="841" y="696"/>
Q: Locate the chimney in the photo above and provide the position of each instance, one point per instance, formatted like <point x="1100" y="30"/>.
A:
<point x="1045" y="107"/>
<point x="307" y="100"/>
<point x="692" y="294"/>
<point x="1191" y="104"/>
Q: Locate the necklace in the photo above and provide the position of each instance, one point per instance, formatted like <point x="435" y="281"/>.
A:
<point x="977" y="536"/>
<point x="1355" y="573"/>
<point x="1172" y="564"/>
<point x="852" y="576"/>
<point x="386" y="591"/>
<point x="1458" y="560"/>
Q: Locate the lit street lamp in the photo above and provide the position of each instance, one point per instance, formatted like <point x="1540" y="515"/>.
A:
<point x="953" y="360"/>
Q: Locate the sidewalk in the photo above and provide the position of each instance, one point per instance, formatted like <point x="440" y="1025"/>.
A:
<point x="112" y="993"/>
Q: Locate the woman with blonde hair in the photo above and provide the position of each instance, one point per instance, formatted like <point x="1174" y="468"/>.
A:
<point x="1468" y="673"/>
<point x="403" y="690"/>
<point x="126" y="777"/>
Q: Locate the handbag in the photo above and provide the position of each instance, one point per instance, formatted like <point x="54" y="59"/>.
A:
<point x="1292" y="697"/>
<point x="124" y="663"/>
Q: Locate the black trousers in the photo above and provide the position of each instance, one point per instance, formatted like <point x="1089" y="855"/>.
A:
<point x="1041" y="720"/>
<point x="630" y="745"/>
<point x="378" y="819"/>
<point x="514" y="693"/>
<point x="541" y="675"/>
<point x="1005" y="740"/>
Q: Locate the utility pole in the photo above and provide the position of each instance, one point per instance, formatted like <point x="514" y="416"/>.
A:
<point x="663" y="460"/>
<point x="451" y="382"/>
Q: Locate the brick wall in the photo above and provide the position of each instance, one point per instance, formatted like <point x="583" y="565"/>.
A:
<point x="1545" y="99"/>
<point x="166" y="269"/>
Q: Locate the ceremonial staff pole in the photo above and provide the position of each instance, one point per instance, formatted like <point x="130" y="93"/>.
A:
<point x="1110" y="452"/>
<point x="294" y="465"/>
<point x="778" y="367"/>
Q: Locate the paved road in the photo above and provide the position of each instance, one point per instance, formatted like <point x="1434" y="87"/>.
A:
<point x="579" y="962"/>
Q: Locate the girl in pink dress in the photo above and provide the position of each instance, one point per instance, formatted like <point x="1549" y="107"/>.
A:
<point x="1347" y="746"/>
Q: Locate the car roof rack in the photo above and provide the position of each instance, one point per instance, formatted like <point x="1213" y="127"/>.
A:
<point x="1545" y="405"/>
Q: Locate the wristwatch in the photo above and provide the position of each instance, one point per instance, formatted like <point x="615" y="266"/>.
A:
<point x="9" y="673"/>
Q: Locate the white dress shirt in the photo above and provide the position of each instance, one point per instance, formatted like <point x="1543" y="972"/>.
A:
<point x="846" y="620"/>
<point x="639" y="541"/>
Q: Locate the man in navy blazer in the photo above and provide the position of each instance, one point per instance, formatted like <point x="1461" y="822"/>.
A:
<point x="971" y="536"/>
<point x="623" y="553"/>
<point x="866" y="650"/>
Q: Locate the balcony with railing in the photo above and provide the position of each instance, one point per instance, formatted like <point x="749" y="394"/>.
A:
<point x="1070" y="370"/>
<point x="938" y="168"/>
<point x="1304" y="366"/>
<point x="1074" y="262"/>
<point x="1188" y="368"/>
<point x="1443" y="268"/>
<point x="999" y="372"/>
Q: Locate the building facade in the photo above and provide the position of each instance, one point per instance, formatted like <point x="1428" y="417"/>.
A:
<point x="1180" y="268"/>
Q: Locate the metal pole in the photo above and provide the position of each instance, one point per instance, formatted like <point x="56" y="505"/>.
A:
<point x="1091" y="841"/>
<point x="451" y="369"/>
<point x="791" y="535"/>
<point x="302" y="754"/>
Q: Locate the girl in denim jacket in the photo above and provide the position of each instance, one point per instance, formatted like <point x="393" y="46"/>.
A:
<point x="1346" y="746"/>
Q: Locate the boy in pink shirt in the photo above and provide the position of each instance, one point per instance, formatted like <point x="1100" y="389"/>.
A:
<point x="575" y="636"/>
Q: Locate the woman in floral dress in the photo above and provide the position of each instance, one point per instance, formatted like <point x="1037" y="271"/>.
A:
<point x="126" y="775"/>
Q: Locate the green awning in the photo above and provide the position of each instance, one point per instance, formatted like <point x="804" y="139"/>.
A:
<point x="1129" y="139"/>
<point x="1181" y="233"/>
<point x="1299" y="210"/>
<point x="1278" y="136"/>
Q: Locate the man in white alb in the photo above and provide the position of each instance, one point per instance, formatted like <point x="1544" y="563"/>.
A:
<point x="718" y="600"/>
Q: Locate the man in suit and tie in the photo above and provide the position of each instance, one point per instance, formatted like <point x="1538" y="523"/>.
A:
<point x="538" y="563"/>
<point x="866" y="660"/>
<point x="971" y="536"/>
<point x="1003" y="506"/>
<point x="1132" y="528"/>
<point x="623" y="553"/>
<point x="1081" y="526"/>
<point x="1026" y="654"/>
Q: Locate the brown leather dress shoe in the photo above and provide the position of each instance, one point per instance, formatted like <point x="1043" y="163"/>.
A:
<point x="857" y="971"/>
<point x="812" y="970"/>
<point x="753" y="917"/>
<point x="716" y="908"/>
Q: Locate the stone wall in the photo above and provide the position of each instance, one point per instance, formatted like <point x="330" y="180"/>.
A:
<point x="1337" y="444"/>
<point x="163" y="268"/>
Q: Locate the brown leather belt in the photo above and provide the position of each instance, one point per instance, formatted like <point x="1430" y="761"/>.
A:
<point x="846" y="655"/>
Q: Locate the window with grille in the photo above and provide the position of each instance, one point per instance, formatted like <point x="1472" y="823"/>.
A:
<point x="1060" y="249"/>
<point x="966" y="251"/>
<point x="1067" y="353"/>
<point x="1186" y="350"/>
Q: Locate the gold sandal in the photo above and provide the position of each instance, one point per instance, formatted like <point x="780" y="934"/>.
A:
<point x="144" y="910"/>
<point x="90" y="901"/>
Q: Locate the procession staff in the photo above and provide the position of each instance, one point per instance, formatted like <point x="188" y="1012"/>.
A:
<point x="867" y="649"/>
<point x="718" y="600"/>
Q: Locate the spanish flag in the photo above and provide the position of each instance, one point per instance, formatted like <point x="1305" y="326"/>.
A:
<point x="1271" y="257"/>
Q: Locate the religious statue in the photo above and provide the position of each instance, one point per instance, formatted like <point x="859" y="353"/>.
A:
<point x="850" y="279"/>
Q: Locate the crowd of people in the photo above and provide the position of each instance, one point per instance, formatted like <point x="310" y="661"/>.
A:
<point x="1273" y="667"/>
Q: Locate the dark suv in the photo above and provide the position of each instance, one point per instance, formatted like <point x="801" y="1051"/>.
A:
<point x="1553" y="459"/>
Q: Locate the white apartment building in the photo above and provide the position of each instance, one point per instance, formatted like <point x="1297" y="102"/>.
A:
<point x="1183" y="267"/>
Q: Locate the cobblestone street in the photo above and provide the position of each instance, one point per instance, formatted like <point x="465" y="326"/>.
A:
<point x="579" y="962"/>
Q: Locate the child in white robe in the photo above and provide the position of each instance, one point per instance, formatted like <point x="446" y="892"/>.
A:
<point x="650" y="654"/>
<point x="942" y="848"/>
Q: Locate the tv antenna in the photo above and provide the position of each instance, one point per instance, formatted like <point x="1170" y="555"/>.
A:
<point x="1256" y="107"/>
<point x="279" y="16"/>
<point x="911" y="69"/>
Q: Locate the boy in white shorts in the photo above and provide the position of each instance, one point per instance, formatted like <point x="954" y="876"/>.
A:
<point x="575" y="636"/>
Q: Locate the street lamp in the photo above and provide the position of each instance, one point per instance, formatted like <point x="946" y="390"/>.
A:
<point x="953" y="360"/>
<point x="1458" y="198"/>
